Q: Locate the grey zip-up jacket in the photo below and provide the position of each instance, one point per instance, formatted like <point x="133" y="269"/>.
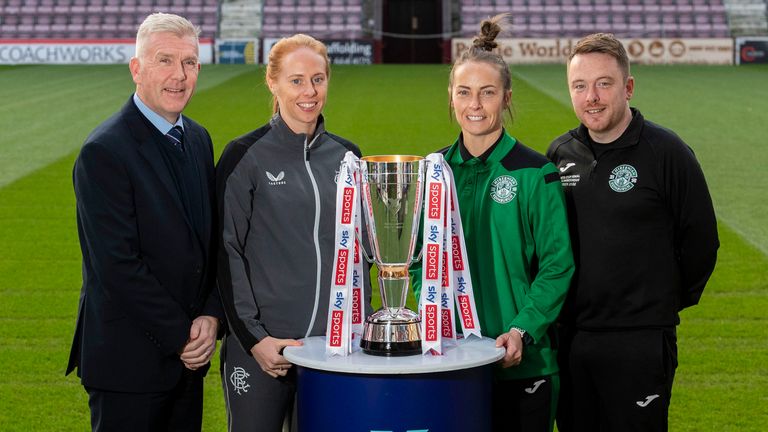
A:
<point x="276" y="194"/>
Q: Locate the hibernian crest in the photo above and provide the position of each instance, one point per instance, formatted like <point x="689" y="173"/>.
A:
<point x="623" y="178"/>
<point x="504" y="189"/>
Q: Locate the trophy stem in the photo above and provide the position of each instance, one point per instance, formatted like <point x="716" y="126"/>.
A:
<point x="393" y="293"/>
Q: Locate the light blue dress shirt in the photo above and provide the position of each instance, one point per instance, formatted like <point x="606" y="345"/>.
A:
<point x="156" y="119"/>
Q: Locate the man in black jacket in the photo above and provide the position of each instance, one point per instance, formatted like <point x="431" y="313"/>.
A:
<point x="149" y="312"/>
<point x="645" y="242"/>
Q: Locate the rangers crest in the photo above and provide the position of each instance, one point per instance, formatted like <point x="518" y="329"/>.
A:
<point x="238" y="379"/>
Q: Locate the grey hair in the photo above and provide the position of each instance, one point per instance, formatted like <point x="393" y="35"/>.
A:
<point x="163" y="22"/>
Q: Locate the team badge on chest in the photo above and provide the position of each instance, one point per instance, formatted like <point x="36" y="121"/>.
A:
<point x="504" y="189"/>
<point x="623" y="178"/>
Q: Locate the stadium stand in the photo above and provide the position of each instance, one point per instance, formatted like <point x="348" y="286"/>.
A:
<point x="242" y="19"/>
<point x="108" y="19"/>
<point x="324" y="19"/>
<point x="342" y="19"/>
<point x="625" y="18"/>
<point x="96" y="19"/>
<point x="747" y="17"/>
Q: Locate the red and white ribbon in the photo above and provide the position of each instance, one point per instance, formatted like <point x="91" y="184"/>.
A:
<point x="433" y="243"/>
<point x="446" y="293"/>
<point x="358" y="310"/>
<point x="441" y="271"/>
<point x="460" y="277"/>
<point x="345" y="306"/>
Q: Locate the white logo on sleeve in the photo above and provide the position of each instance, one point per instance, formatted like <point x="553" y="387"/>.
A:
<point x="237" y="378"/>
<point x="623" y="178"/>
<point x="504" y="189"/>
<point x="648" y="399"/>
<point x="276" y="179"/>
<point x="565" y="168"/>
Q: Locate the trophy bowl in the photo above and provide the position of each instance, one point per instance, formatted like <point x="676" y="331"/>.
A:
<point x="392" y="198"/>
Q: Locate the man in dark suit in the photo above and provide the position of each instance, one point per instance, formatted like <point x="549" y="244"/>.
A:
<point x="149" y="311"/>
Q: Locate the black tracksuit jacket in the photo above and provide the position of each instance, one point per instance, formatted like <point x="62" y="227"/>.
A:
<point x="643" y="228"/>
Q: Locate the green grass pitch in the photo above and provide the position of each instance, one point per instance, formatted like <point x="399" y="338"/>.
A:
<point x="47" y="111"/>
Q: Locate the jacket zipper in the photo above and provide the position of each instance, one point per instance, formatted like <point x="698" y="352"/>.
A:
<point x="315" y="231"/>
<point x="593" y="165"/>
<point x="592" y="168"/>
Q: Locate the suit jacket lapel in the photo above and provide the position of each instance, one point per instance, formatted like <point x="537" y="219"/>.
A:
<point x="147" y="140"/>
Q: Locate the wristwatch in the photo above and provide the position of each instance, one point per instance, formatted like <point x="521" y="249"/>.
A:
<point x="527" y="339"/>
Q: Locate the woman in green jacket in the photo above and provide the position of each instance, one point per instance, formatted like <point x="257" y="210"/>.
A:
<point x="516" y="232"/>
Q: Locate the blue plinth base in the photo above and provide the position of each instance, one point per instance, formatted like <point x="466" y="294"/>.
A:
<point x="450" y="401"/>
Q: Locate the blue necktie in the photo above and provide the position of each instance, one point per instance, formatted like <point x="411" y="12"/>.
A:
<point x="176" y="137"/>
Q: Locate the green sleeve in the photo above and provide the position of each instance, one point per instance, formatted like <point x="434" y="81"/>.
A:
<point x="549" y="226"/>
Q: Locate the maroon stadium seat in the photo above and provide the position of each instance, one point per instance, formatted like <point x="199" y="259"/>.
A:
<point x="354" y="7"/>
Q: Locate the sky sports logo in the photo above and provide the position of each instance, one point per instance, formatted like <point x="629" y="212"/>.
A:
<point x="341" y="267"/>
<point x="447" y="326"/>
<point x="337" y="320"/>
<point x="346" y="205"/>
<point x="458" y="262"/>
<point x="434" y="204"/>
<point x="466" y="312"/>
<point x="430" y="320"/>
<point x="431" y="262"/>
<point x="356" y="316"/>
<point x="446" y="283"/>
<point x="367" y="196"/>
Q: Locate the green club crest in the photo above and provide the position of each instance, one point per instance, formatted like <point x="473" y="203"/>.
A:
<point x="623" y="178"/>
<point x="504" y="189"/>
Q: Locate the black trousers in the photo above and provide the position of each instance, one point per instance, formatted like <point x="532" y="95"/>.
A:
<point x="525" y="405"/>
<point x="616" y="381"/>
<point x="180" y="409"/>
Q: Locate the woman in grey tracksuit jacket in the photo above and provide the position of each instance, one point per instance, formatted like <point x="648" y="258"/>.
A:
<point x="276" y="193"/>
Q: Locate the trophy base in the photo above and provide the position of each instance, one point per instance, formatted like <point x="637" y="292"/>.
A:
<point x="392" y="334"/>
<point x="391" y="349"/>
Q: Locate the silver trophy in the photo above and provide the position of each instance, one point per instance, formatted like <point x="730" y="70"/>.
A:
<point x="392" y="197"/>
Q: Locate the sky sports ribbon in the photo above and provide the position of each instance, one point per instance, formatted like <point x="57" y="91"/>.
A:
<point x="358" y="309"/>
<point x="345" y="308"/>
<point x="438" y="272"/>
<point x="448" y="325"/>
<point x="433" y="243"/>
<point x="459" y="270"/>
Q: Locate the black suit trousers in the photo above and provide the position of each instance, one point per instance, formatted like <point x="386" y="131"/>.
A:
<point x="179" y="409"/>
